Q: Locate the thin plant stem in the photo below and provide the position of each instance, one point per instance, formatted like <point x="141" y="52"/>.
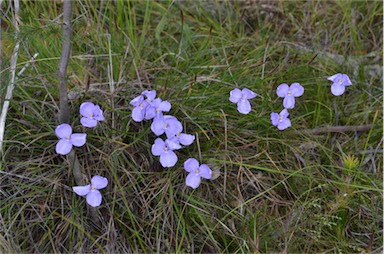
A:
<point x="8" y="98"/>
<point x="11" y="85"/>
<point x="111" y="82"/>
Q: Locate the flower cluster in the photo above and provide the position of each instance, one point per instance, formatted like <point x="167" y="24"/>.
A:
<point x="148" y="107"/>
<point x="91" y="115"/>
<point x="281" y="120"/>
<point x="289" y="93"/>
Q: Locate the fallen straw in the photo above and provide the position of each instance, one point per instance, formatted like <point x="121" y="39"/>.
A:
<point x="10" y="88"/>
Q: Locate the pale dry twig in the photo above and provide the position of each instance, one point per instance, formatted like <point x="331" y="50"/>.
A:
<point x="11" y="85"/>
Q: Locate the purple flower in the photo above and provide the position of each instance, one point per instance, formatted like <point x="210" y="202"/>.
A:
<point x="241" y="97"/>
<point x="168" y="124"/>
<point x="281" y="120"/>
<point x="138" y="113"/>
<point x="289" y="93"/>
<point x="92" y="190"/>
<point x="195" y="172"/>
<point x="148" y="108"/>
<point x="340" y="81"/>
<point x="67" y="139"/>
<point x="156" y="108"/>
<point x="91" y="114"/>
<point x="168" y="158"/>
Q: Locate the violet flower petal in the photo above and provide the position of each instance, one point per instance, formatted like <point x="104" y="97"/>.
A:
<point x="334" y="77"/>
<point x="248" y="94"/>
<point x="347" y="81"/>
<point x="63" y="130"/>
<point x="186" y="139"/>
<point x="289" y="101"/>
<point x="173" y="127"/>
<point x="169" y="117"/>
<point x="168" y="159"/>
<point x="164" y="106"/>
<point x="337" y="89"/>
<point x="284" y="113"/>
<point x="178" y="127"/>
<point x="193" y="180"/>
<point x="191" y="165"/>
<point x="173" y="141"/>
<point x="275" y="118"/>
<point x="63" y="147"/>
<point x="137" y="101"/>
<point x="156" y="102"/>
<point x="158" y="126"/>
<point x="78" y="139"/>
<point x="235" y="95"/>
<point x="138" y="114"/>
<point x="173" y="144"/>
<point x="150" y="112"/>
<point x="151" y="95"/>
<point x="296" y="89"/>
<point x="99" y="182"/>
<point x="86" y="109"/>
<point x="285" y="123"/>
<point x="82" y="190"/>
<point x="282" y="90"/>
<point x="205" y="171"/>
<point x="244" y="106"/>
<point x="94" y="198"/>
<point x="98" y="113"/>
<point x="87" y="122"/>
<point x="158" y="147"/>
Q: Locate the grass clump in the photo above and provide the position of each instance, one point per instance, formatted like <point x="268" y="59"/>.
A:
<point x="306" y="189"/>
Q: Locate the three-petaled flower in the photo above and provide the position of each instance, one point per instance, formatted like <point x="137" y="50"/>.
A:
<point x="68" y="139"/>
<point x="91" y="114"/>
<point x="241" y="97"/>
<point x="93" y="195"/>
<point x="289" y="93"/>
<point x="281" y="120"/>
<point x="164" y="149"/>
<point x="147" y="106"/>
<point x="196" y="172"/>
<point x="340" y="81"/>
